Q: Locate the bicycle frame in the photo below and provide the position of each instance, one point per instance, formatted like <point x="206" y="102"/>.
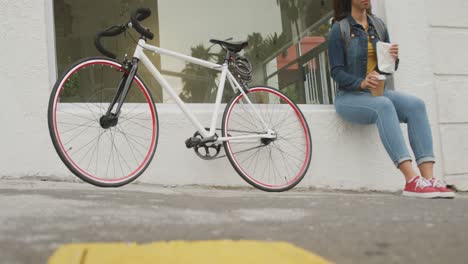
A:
<point x="225" y="75"/>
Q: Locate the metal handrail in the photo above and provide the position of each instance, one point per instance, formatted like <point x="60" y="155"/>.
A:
<point x="312" y="28"/>
<point x="302" y="59"/>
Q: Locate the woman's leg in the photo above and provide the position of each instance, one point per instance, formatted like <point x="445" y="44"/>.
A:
<point x="406" y="167"/>
<point x="363" y="108"/>
<point x="412" y="110"/>
<point x="427" y="170"/>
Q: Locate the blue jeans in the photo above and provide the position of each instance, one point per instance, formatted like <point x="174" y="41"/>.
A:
<point x="388" y="111"/>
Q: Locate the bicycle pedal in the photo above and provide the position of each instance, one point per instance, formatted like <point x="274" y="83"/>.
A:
<point x="192" y="142"/>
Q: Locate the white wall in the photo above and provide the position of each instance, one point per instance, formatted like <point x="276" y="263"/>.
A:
<point x="344" y="156"/>
<point x="407" y="25"/>
<point x="449" y="38"/>
<point x="433" y="36"/>
<point x="24" y="71"/>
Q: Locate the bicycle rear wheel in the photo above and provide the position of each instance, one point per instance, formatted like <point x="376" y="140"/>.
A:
<point x="100" y="154"/>
<point x="273" y="165"/>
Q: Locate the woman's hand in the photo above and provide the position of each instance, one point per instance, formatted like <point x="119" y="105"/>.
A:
<point x="371" y="81"/>
<point x="394" y="50"/>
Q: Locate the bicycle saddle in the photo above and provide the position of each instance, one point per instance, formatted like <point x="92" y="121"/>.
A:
<point x="231" y="46"/>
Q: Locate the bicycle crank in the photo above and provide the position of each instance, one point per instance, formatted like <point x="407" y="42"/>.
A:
<point x="208" y="152"/>
<point x="206" y="149"/>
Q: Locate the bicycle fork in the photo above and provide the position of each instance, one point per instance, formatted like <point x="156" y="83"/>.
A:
<point x="110" y="119"/>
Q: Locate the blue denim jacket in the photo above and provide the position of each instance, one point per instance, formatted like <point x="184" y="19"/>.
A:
<point x="349" y="64"/>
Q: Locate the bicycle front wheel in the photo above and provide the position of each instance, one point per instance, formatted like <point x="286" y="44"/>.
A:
<point x="273" y="165"/>
<point x="103" y="153"/>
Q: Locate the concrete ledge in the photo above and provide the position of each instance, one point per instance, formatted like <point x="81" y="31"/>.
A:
<point x="345" y="156"/>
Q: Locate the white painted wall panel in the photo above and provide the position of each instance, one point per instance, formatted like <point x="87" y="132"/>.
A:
<point x="455" y="148"/>
<point x="448" y="39"/>
<point x="448" y="13"/>
<point x="448" y="51"/>
<point x="452" y="99"/>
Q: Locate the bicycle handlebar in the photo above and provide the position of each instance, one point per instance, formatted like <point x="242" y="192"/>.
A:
<point x="109" y="32"/>
<point x="139" y="15"/>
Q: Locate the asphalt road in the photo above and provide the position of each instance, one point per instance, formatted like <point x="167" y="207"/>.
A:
<point x="37" y="217"/>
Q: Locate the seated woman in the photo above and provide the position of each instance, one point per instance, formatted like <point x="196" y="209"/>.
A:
<point x="351" y="47"/>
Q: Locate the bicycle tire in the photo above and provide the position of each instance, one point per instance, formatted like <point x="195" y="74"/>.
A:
<point x="275" y="108"/>
<point x="60" y="100"/>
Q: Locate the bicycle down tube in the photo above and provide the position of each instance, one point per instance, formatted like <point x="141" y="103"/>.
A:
<point x="225" y="74"/>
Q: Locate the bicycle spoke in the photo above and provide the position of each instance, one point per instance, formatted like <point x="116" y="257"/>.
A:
<point x="95" y="120"/>
<point x="118" y="153"/>
<point x="130" y="145"/>
<point x="74" y="126"/>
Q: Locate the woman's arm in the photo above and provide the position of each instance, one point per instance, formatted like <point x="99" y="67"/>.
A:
<point x="336" y="56"/>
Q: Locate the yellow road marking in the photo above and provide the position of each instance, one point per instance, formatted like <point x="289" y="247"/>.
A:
<point x="182" y="252"/>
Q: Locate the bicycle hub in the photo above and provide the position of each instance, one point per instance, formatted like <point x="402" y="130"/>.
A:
<point x="108" y="121"/>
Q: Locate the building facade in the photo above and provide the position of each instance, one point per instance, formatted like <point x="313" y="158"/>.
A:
<point x="40" y="39"/>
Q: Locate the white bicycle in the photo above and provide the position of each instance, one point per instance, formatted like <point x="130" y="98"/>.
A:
<point x="104" y="124"/>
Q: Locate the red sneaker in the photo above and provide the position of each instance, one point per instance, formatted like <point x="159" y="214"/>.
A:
<point x="421" y="188"/>
<point x="442" y="187"/>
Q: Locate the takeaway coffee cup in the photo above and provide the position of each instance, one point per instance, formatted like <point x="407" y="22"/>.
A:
<point x="379" y="91"/>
